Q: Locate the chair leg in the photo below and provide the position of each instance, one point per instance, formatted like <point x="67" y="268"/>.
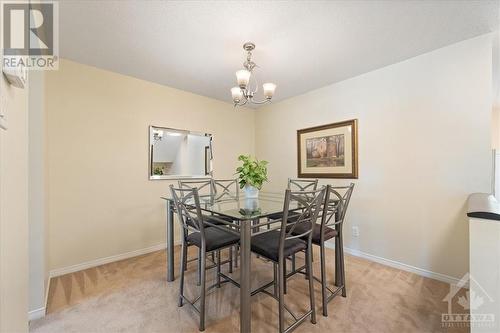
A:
<point x="218" y="268"/>
<point x="203" y="289"/>
<point x="323" y="280"/>
<point x="284" y="275"/>
<point x="311" y="284"/>
<point x="185" y="258"/>
<point x="183" y="268"/>
<point x="236" y="253"/>
<point x="198" y="281"/>
<point x="281" y="292"/>
<point x="275" y="279"/>
<point x="236" y="256"/>
<point x="231" y="259"/>
<point x="342" y="266"/>
<point x="306" y="276"/>
<point x="337" y="262"/>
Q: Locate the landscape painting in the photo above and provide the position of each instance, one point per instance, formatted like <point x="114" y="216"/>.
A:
<point x="328" y="151"/>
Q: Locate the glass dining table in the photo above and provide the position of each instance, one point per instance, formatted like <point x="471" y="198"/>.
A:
<point x="246" y="214"/>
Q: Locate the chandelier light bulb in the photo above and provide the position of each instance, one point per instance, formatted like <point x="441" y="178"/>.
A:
<point x="237" y="94"/>
<point x="269" y="89"/>
<point x="243" y="77"/>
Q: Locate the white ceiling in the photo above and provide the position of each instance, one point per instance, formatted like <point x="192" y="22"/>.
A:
<point x="197" y="45"/>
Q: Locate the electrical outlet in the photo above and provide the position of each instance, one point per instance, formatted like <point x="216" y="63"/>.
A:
<point x="355" y="231"/>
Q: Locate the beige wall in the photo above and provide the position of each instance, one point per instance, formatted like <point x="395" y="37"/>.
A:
<point x="14" y="211"/>
<point x="101" y="202"/>
<point x="38" y="254"/>
<point x="424" y="146"/>
<point x="495" y="127"/>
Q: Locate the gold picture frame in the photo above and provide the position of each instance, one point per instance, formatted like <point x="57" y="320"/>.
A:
<point x="328" y="151"/>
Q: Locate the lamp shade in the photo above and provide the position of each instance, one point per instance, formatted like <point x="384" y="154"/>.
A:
<point x="269" y="89"/>
<point x="237" y="94"/>
<point x="243" y="77"/>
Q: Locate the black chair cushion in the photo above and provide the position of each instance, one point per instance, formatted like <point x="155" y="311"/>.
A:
<point x="210" y="218"/>
<point x="267" y="245"/>
<point x="300" y="228"/>
<point x="277" y="216"/>
<point x="215" y="239"/>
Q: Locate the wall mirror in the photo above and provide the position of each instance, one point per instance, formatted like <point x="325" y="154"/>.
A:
<point x="176" y="154"/>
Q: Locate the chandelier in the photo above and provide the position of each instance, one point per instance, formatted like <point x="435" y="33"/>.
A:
<point x="243" y="93"/>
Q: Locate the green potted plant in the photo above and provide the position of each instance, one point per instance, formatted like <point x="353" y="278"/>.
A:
<point x="251" y="175"/>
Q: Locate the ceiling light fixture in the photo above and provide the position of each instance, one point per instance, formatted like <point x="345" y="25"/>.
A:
<point x="243" y="94"/>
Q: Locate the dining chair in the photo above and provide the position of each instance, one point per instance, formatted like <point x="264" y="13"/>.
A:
<point x="300" y="184"/>
<point x="336" y="202"/>
<point x="295" y="184"/>
<point x="206" y="192"/>
<point x="228" y="189"/>
<point x="281" y="242"/>
<point x="196" y="233"/>
<point x="205" y="187"/>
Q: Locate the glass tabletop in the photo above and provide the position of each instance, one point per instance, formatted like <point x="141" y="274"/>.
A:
<point x="244" y="208"/>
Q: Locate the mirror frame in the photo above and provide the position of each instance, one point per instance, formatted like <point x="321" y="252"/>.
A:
<point x="174" y="177"/>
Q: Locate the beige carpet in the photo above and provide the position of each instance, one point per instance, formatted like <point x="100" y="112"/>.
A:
<point x="133" y="296"/>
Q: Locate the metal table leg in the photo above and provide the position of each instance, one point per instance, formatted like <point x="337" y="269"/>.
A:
<point x="245" y="305"/>
<point x="170" y="241"/>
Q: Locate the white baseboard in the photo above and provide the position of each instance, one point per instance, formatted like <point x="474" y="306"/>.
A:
<point x="398" y="265"/>
<point x="106" y="260"/>
<point x="36" y="314"/>
<point x="39" y="313"/>
<point x="158" y="247"/>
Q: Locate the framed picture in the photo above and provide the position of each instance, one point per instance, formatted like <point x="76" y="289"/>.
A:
<point x="328" y="151"/>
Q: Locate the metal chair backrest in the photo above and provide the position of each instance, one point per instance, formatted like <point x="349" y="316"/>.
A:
<point x="302" y="184"/>
<point x="187" y="204"/>
<point x="310" y="204"/>
<point x="205" y="187"/>
<point x="226" y="189"/>
<point x="335" y="205"/>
